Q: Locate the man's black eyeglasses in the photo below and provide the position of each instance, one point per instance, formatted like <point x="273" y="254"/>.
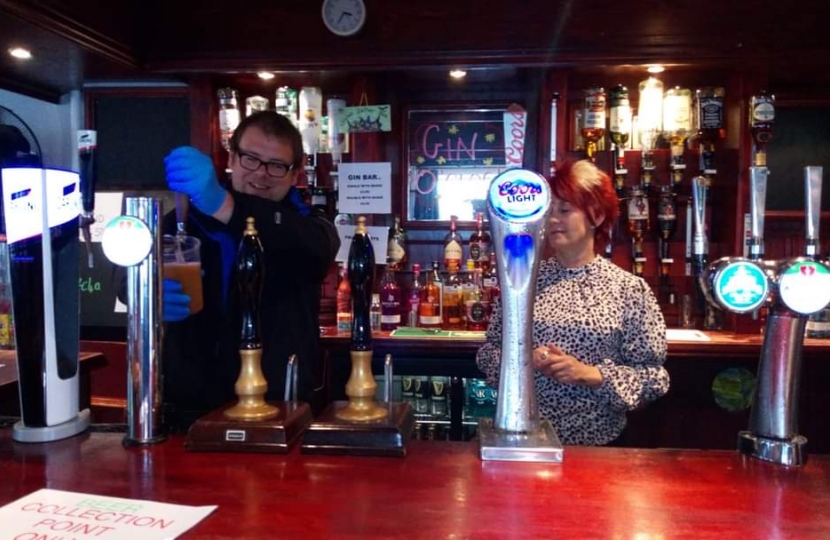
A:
<point x="277" y="169"/>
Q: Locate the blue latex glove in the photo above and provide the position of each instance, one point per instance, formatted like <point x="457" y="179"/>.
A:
<point x="297" y="202"/>
<point x="175" y="304"/>
<point x="191" y="172"/>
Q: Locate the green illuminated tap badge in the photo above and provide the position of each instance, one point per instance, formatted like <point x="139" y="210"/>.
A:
<point x="741" y="286"/>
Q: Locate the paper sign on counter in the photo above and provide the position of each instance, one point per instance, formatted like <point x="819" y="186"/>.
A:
<point x="50" y="513"/>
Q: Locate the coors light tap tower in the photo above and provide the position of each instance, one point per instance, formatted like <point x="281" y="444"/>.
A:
<point x="518" y="202"/>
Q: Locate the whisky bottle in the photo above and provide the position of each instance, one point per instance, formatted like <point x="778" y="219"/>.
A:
<point x="650" y="123"/>
<point x="390" y="300"/>
<point x="480" y="244"/>
<point x="476" y="304"/>
<point x="229" y="116"/>
<point x="490" y="282"/>
<point x="429" y="310"/>
<point x="344" y="303"/>
<point x="452" y="246"/>
<point x="666" y="226"/>
<point x="452" y="309"/>
<point x="677" y="126"/>
<point x="638" y="219"/>
<point x="709" y="125"/>
<point x="414" y="299"/>
<point x="593" y="128"/>
<point x="396" y="247"/>
<point x="619" y="109"/>
<point x="761" y="118"/>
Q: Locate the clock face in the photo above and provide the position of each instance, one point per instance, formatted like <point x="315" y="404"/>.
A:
<point x="344" y="17"/>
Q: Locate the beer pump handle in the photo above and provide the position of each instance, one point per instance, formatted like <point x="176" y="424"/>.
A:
<point x="182" y="207"/>
<point x="86" y="153"/>
<point x="250" y="270"/>
<point x="758" y="199"/>
<point x="388" y="375"/>
<point x="700" y="248"/>
<point x="361" y="264"/>
<point x="291" y="380"/>
<point x="812" y="198"/>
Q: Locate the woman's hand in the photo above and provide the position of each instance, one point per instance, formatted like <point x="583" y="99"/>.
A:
<point x="557" y="365"/>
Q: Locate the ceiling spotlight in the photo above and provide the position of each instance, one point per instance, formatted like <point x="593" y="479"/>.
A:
<point x="657" y="68"/>
<point x="265" y="75"/>
<point x="20" y="53"/>
<point x="458" y="74"/>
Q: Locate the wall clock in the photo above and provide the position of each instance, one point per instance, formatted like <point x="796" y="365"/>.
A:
<point x="344" y="17"/>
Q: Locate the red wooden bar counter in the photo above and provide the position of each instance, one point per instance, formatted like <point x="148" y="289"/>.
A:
<point x="442" y="490"/>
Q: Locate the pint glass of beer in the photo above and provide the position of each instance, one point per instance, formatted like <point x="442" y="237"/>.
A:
<point x="182" y="263"/>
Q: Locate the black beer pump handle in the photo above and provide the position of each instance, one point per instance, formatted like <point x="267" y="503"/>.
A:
<point x="361" y="265"/>
<point x="86" y="152"/>
<point x="250" y="272"/>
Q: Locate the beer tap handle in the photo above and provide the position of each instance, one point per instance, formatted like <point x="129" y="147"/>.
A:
<point x="182" y="207"/>
<point x="86" y="153"/>
<point x="388" y="375"/>
<point x="812" y="198"/>
<point x="758" y="198"/>
<point x="361" y="263"/>
<point x="250" y="270"/>
<point x="291" y="381"/>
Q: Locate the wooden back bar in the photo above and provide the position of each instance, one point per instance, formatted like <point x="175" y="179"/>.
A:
<point x="441" y="490"/>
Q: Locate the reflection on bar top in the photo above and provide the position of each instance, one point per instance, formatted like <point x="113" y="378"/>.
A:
<point x="686" y="334"/>
<point x="672" y="334"/>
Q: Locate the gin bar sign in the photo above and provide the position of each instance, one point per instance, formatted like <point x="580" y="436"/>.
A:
<point x="365" y="188"/>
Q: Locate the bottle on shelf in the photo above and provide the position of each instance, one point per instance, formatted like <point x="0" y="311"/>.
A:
<point x="344" y="303"/>
<point x="287" y="103"/>
<point x="452" y="246"/>
<point x="429" y="310"/>
<point x="452" y="309"/>
<point x="593" y="129"/>
<point x="390" y="300"/>
<point x="490" y="282"/>
<point x="677" y="126"/>
<point x="619" y="109"/>
<point x="709" y="125"/>
<point x="396" y="247"/>
<point x="229" y="116"/>
<point x="255" y="104"/>
<point x="480" y="243"/>
<point x="650" y="124"/>
<point x="6" y="318"/>
<point x="638" y="225"/>
<point x="476" y="304"/>
<point x="414" y="299"/>
<point x="761" y="118"/>
<point x="375" y="313"/>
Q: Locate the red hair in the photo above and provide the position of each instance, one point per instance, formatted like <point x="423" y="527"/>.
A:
<point x="585" y="186"/>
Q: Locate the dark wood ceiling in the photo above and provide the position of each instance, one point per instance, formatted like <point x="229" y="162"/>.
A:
<point x="77" y="41"/>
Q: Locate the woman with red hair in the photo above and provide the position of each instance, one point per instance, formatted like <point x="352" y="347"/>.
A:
<point x="599" y="339"/>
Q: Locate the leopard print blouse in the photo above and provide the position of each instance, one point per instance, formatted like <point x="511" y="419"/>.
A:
<point x="604" y="317"/>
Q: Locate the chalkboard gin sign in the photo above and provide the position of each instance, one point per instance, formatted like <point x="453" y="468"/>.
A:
<point x="452" y="155"/>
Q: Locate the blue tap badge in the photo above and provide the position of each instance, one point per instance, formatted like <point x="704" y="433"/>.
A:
<point x="804" y="287"/>
<point x="741" y="286"/>
<point x="519" y="195"/>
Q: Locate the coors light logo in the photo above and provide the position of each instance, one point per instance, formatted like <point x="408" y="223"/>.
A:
<point x="518" y="197"/>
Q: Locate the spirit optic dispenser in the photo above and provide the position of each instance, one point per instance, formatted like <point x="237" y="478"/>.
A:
<point x="794" y="288"/>
<point x="650" y="123"/>
<point x="594" y="127"/>
<point x="619" y="125"/>
<point x="518" y="202"/>
<point x="677" y="125"/>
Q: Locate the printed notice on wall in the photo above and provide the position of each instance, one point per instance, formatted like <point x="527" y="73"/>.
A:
<point x="379" y="236"/>
<point x="365" y="188"/>
<point x="50" y="513"/>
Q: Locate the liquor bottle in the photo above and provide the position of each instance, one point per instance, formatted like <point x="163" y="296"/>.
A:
<point x="344" y="303"/>
<point x="429" y="310"/>
<point x="476" y="304"/>
<point x="311" y="115"/>
<point x="396" y="248"/>
<point x="467" y="279"/>
<point x="336" y="138"/>
<point x="677" y="126"/>
<point x="255" y="104"/>
<point x="6" y="321"/>
<point x="287" y="103"/>
<point x="620" y="127"/>
<point x="390" y="300"/>
<point x="709" y="125"/>
<point x="228" y="115"/>
<point x="666" y="226"/>
<point x="452" y="309"/>
<point x="490" y="281"/>
<point x="320" y="199"/>
<point x="593" y="128"/>
<point x="761" y="118"/>
<point x="414" y="299"/>
<point x="452" y="246"/>
<point x="649" y="123"/>
<point x="638" y="225"/>
<point x="375" y="313"/>
<point x="480" y="244"/>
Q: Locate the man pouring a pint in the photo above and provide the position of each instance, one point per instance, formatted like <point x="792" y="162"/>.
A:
<point x="599" y="339"/>
<point x="201" y="361"/>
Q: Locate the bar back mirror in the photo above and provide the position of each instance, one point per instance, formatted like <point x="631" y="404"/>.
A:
<point x="452" y="155"/>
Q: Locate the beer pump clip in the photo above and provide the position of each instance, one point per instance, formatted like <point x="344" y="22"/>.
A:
<point x="518" y="203"/>
<point x="794" y="288"/>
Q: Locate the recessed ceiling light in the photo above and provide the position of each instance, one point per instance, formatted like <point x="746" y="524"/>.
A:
<point x="265" y="75"/>
<point x="656" y="69"/>
<point x="20" y="53"/>
<point x="458" y="74"/>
